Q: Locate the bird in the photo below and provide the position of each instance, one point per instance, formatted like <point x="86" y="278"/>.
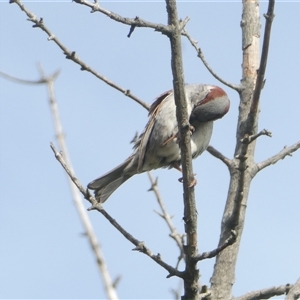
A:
<point x="158" y="145"/>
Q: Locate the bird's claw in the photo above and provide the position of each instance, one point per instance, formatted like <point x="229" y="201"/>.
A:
<point x="193" y="182"/>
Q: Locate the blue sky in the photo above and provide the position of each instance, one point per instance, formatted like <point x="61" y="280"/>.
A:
<point x="43" y="253"/>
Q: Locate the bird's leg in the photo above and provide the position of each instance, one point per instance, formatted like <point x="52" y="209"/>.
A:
<point x="170" y="139"/>
<point x="177" y="167"/>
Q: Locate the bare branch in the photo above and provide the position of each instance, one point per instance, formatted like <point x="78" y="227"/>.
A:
<point x="264" y="57"/>
<point x="240" y="177"/>
<point x="24" y="81"/>
<point x="274" y="159"/>
<point x="178" y="238"/>
<point x="136" y="22"/>
<point x="216" y="251"/>
<point x="247" y="139"/>
<point x="73" y="56"/>
<point x="294" y="292"/>
<point x="208" y="67"/>
<point x="214" y="152"/>
<point x="140" y="246"/>
<point x="191" y="280"/>
<point x="108" y="284"/>
<point x="265" y="293"/>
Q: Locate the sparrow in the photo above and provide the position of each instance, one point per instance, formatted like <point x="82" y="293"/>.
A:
<point x="158" y="145"/>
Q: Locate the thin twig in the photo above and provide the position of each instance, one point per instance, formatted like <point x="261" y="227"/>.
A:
<point x="25" y="81"/>
<point x="214" y="152"/>
<point x="73" y="56"/>
<point x="266" y="293"/>
<point x="178" y="238"/>
<point x="215" y="252"/>
<point x="140" y="246"/>
<point x="133" y="22"/>
<point x="250" y="138"/>
<point x="287" y="151"/>
<point x="264" y="57"/>
<point x="108" y="283"/>
<point x="89" y="232"/>
<point x="208" y="67"/>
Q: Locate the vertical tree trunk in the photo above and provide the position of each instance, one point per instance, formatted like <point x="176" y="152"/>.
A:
<point x="241" y="170"/>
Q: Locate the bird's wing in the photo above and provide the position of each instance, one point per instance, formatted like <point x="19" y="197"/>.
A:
<point x="143" y="141"/>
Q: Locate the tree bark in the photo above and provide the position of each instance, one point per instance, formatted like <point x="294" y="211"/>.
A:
<point x="241" y="174"/>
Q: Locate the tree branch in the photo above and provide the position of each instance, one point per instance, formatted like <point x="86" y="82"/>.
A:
<point x="247" y="139"/>
<point x="274" y="159"/>
<point x="214" y="152"/>
<point x="89" y="232"/>
<point x="73" y="56"/>
<point x="178" y="238"/>
<point x="140" y="246"/>
<point x="108" y="283"/>
<point x="136" y="22"/>
<point x="191" y="278"/>
<point x="264" y="57"/>
<point x="294" y="292"/>
<point x="215" y="252"/>
<point x="43" y="80"/>
<point x="208" y="67"/>
<point x="265" y="293"/>
<point x="240" y="177"/>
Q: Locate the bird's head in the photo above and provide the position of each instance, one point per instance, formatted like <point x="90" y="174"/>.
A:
<point x="214" y="105"/>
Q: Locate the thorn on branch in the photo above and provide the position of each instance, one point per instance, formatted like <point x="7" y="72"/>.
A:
<point x="170" y="275"/>
<point x="161" y="215"/>
<point x="132" y="27"/>
<point x="70" y="56"/>
<point x="116" y="281"/>
<point x="40" y="23"/>
<point x="269" y="17"/>
<point x="126" y="92"/>
<point x="140" y="247"/>
<point x="51" y="37"/>
<point x="158" y="256"/>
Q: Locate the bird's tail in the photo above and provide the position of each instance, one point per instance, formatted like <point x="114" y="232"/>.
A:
<point x="105" y="185"/>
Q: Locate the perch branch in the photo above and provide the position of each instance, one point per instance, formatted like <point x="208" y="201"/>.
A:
<point x="72" y="54"/>
<point x="191" y="278"/>
<point x="140" y="246"/>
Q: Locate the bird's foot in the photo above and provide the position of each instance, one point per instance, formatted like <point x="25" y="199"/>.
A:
<point x="192" y="129"/>
<point x="193" y="182"/>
